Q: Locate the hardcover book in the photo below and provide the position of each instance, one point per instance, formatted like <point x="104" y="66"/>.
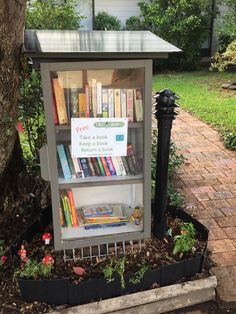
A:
<point x="85" y="166"/>
<point x="111" y="103"/>
<point x="70" y="161"/>
<point x="99" y="99"/>
<point x="138" y="104"/>
<point x="117" y="103"/>
<point x="82" y="105"/>
<point x="74" y="105"/>
<point x="110" y="166"/>
<point x="130" y="105"/>
<point x="123" y="103"/>
<point x="105" y="103"/>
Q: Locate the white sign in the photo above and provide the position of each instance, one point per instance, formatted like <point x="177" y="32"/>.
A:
<point x="94" y="137"/>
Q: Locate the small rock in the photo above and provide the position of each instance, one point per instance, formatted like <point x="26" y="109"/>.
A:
<point x="232" y="87"/>
<point x="226" y="85"/>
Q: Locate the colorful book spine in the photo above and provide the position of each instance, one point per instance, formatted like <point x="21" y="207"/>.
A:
<point x="105" y="167"/>
<point x="91" y="168"/>
<point x="70" y="161"/>
<point x="60" y="101"/>
<point x="117" y="103"/>
<point x="123" y="103"/>
<point x="105" y="103"/>
<point x="54" y="108"/>
<point x="91" y="113"/>
<point x="99" y="99"/>
<point x="72" y="208"/>
<point x="63" y="160"/>
<point x="66" y="210"/>
<point x="87" y="97"/>
<point x="78" y="172"/>
<point x="110" y="166"/>
<point x="82" y="105"/>
<point x="96" y="166"/>
<point x="116" y="165"/>
<point x="131" y="159"/>
<point x="122" y="168"/>
<point x="94" y="97"/>
<point x="101" y="166"/>
<point x="130" y="104"/>
<point x="126" y="165"/>
<point x="138" y="104"/>
<point x="111" y="103"/>
<point x="85" y="166"/>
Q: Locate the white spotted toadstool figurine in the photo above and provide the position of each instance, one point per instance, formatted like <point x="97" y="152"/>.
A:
<point x="46" y="237"/>
<point x="48" y="259"/>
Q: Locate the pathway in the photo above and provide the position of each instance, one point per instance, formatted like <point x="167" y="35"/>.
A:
<point x="208" y="181"/>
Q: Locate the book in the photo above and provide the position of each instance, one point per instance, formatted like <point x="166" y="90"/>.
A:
<point x="110" y="166"/>
<point x="60" y="101"/>
<point x="66" y="210"/>
<point x="126" y="165"/>
<point x="72" y="208"/>
<point x="116" y="165"/>
<point x="85" y="166"/>
<point x="122" y="168"/>
<point x="78" y="171"/>
<point x="87" y="99"/>
<point x="117" y="107"/>
<point x="91" y="114"/>
<point x="70" y="161"/>
<point x="54" y="108"/>
<point x="138" y="104"/>
<point x="123" y="103"/>
<point x="100" y="166"/>
<point x="105" y="167"/>
<point x="130" y="104"/>
<point x="105" y="103"/>
<point x="132" y="159"/>
<point x="74" y="105"/>
<point x="98" y="226"/>
<point x="111" y="103"/>
<point x="96" y="166"/>
<point x="94" y="97"/>
<point x="82" y="105"/>
<point x="99" y="99"/>
<point x="64" y="162"/>
<point x="91" y="168"/>
<point x="96" y="210"/>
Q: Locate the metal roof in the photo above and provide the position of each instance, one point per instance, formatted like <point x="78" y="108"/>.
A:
<point x="51" y="44"/>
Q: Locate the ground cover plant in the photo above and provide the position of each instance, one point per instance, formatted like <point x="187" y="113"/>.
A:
<point x="201" y="94"/>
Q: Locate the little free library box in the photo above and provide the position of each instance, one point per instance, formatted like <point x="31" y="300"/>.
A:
<point x="97" y="90"/>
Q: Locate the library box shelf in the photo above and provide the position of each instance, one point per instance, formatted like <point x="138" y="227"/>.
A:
<point x="97" y="99"/>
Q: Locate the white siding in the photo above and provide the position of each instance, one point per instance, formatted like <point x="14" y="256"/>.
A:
<point x="85" y="8"/>
<point x="122" y="9"/>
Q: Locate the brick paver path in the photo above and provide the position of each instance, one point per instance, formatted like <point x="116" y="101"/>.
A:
<point x="208" y="181"/>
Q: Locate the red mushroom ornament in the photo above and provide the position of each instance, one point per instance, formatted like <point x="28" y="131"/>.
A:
<point x="46" y="237"/>
<point x="48" y="259"/>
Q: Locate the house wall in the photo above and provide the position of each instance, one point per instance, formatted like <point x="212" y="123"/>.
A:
<point x="122" y="9"/>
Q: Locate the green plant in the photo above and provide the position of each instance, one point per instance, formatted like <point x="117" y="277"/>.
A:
<point x="230" y="140"/>
<point x="186" y="241"/>
<point x="116" y="266"/>
<point x="52" y="14"/>
<point x="133" y="23"/>
<point x="176" y="198"/>
<point x="139" y="274"/>
<point x="33" y="269"/>
<point x="3" y="258"/>
<point x="106" y="21"/>
<point x="184" y="23"/>
<point x="223" y="60"/>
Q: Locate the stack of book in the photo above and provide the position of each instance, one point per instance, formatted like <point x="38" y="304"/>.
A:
<point x="102" y="216"/>
<point x="97" y="166"/>
<point x="68" y="214"/>
<point x="94" y="100"/>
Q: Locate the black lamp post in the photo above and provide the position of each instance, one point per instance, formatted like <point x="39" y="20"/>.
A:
<point x="165" y="114"/>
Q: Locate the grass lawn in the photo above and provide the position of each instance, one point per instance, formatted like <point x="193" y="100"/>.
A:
<point x="202" y="95"/>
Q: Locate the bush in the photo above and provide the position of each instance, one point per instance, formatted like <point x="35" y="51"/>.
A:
<point x="230" y="140"/>
<point x="223" y="60"/>
<point x="183" y="23"/>
<point x="133" y="23"/>
<point x="106" y="21"/>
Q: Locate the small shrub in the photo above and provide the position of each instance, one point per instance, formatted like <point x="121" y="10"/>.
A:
<point x="106" y="21"/>
<point x="230" y="140"/>
<point x="116" y="266"/>
<point x="223" y="60"/>
<point x="186" y="241"/>
<point x="133" y="23"/>
<point x="34" y="270"/>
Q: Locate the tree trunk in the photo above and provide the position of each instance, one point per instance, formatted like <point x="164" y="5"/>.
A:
<point x="12" y="17"/>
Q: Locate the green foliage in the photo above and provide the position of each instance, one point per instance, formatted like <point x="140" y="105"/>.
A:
<point x="133" y="23"/>
<point x="34" y="270"/>
<point x="184" y="23"/>
<point x="230" y="140"/>
<point x="106" y="21"/>
<point x="226" y="27"/>
<point x="116" y="267"/>
<point x="139" y="274"/>
<point x="52" y="14"/>
<point x="223" y="60"/>
<point x="175" y="161"/>
<point x="31" y="114"/>
<point x="186" y="241"/>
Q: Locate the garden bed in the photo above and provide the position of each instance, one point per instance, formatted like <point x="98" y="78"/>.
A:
<point x="153" y="266"/>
